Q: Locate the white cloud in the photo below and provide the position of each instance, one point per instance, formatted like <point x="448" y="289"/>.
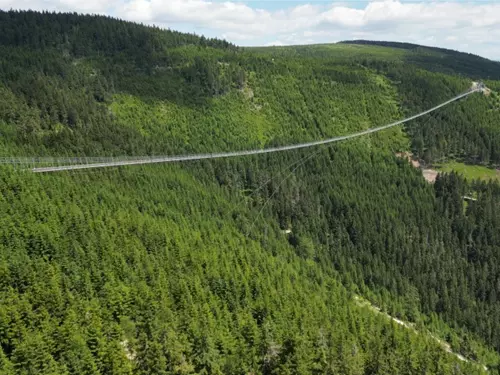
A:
<point x="343" y="16"/>
<point x="87" y="6"/>
<point x="457" y="25"/>
<point x="275" y="43"/>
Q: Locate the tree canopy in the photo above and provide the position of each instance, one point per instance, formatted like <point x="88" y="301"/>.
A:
<point x="288" y="263"/>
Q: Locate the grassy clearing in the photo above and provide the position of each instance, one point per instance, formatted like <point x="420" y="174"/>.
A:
<point x="472" y="172"/>
<point x="339" y="51"/>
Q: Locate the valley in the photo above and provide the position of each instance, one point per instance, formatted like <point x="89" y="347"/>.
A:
<point x="249" y="264"/>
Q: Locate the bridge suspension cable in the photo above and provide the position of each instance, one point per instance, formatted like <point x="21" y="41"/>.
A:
<point x="122" y="161"/>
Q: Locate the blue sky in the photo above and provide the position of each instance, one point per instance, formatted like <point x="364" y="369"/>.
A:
<point x="284" y="4"/>
<point x="469" y="26"/>
<point x="358" y="4"/>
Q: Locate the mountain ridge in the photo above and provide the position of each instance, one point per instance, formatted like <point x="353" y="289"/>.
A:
<point x="245" y="265"/>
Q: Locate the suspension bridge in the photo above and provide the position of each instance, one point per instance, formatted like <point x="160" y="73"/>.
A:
<point x="55" y="164"/>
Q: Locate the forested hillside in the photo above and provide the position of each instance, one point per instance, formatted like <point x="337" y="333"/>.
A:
<point x="443" y="60"/>
<point x="248" y="265"/>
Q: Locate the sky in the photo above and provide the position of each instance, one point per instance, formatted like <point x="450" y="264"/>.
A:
<point x="468" y="26"/>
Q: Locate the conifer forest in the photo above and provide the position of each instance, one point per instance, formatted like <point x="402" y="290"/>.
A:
<point x="336" y="259"/>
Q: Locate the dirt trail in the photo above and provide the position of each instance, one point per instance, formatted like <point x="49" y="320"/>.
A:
<point x="364" y="303"/>
<point x="429" y="174"/>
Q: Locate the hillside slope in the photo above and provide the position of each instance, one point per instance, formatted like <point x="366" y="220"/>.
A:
<point x="188" y="268"/>
<point x="442" y="60"/>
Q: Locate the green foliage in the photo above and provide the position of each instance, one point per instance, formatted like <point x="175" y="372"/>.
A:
<point x="188" y="269"/>
<point x="133" y="278"/>
<point x="441" y="59"/>
<point x="471" y="172"/>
